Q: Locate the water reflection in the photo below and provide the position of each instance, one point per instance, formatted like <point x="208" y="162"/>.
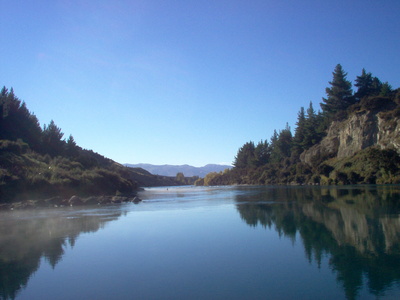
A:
<point x="358" y="228"/>
<point x="28" y="236"/>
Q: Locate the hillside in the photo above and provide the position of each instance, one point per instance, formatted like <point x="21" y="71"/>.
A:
<point x="355" y="139"/>
<point x="172" y="170"/>
<point x="38" y="163"/>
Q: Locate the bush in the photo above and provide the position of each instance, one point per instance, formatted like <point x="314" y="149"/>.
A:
<point x="325" y="169"/>
<point x="18" y="147"/>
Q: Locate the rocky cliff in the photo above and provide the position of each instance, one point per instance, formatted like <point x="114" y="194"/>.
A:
<point x="372" y="123"/>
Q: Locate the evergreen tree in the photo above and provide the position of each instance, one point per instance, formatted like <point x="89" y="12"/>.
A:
<point x="71" y="147"/>
<point x="52" y="143"/>
<point x="364" y="85"/>
<point x="340" y="94"/>
<point x="285" y="141"/>
<point x="311" y="136"/>
<point x="376" y="87"/>
<point x="367" y="85"/>
<point x="245" y="157"/>
<point x="71" y="141"/>
<point x="262" y="153"/>
<point x="281" y="144"/>
<point x="386" y="89"/>
<point x="274" y="157"/>
<point x="16" y="122"/>
<point x="3" y="96"/>
<point x="299" y="132"/>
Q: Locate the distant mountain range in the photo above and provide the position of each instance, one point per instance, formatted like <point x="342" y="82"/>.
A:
<point x="172" y="170"/>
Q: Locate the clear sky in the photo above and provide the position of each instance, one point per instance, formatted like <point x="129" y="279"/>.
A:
<point x="187" y="82"/>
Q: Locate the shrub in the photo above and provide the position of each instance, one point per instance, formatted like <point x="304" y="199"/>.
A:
<point x="18" y="147"/>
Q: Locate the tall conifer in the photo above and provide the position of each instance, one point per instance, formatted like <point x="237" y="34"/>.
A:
<point x="299" y="132"/>
<point x="364" y="84"/>
<point x="340" y="94"/>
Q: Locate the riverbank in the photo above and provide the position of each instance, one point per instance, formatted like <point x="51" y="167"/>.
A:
<point x="55" y="202"/>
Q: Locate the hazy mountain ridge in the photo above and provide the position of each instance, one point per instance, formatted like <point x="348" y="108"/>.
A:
<point x="187" y="170"/>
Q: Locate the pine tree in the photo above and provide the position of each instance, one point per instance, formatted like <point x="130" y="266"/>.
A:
<point x="245" y="157"/>
<point x="262" y="153"/>
<point x="281" y="144"/>
<point x="285" y="141"/>
<point x="3" y="95"/>
<point x="364" y="85"/>
<point x="340" y="94"/>
<point x="386" y="89"/>
<point x="274" y="157"/>
<point x="52" y="143"/>
<point x="299" y="132"/>
<point x="376" y="87"/>
<point x="367" y="85"/>
<point x="71" y="147"/>
<point x="311" y="136"/>
<point x="16" y="122"/>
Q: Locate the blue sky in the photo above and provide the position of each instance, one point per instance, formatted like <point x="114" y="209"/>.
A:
<point x="187" y="82"/>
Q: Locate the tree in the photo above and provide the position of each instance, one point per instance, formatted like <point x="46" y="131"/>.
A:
<point x="16" y="122"/>
<point x="71" y="147"/>
<point x="245" y="157"/>
<point x="376" y="86"/>
<point x="369" y="86"/>
<point x="386" y="89"/>
<point x="299" y="132"/>
<point x="3" y="96"/>
<point x="180" y="177"/>
<point x="274" y="157"/>
<point x="340" y="94"/>
<point x="285" y="141"/>
<point x="52" y="143"/>
<point x="281" y="145"/>
<point x="261" y="153"/>
<point x="364" y="85"/>
<point x="311" y="133"/>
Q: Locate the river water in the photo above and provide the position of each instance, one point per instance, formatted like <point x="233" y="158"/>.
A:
<point x="236" y="242"/>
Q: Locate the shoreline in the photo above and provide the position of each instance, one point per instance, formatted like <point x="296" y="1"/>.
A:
<point x="56" y="202"/>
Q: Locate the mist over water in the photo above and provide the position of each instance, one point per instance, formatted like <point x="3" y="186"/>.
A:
<point x="241" y="242"/>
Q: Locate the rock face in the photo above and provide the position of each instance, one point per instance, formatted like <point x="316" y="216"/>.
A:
<point x="327" y="148"/>
<point x="361" y="130"/>
<point x="358" y="132"/>
<point x="389" y="133"/>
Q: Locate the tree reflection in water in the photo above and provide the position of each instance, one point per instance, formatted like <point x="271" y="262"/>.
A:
<point x="27" y="236"/>
<point x="358" y="228"/>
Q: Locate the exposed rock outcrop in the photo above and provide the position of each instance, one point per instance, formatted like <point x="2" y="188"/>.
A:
<point x="327" y="148"/>
<point x="360" y="130"/>
<point x="388" y="135"/>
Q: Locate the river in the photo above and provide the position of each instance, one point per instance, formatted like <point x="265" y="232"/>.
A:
<point x="234" y="242"/>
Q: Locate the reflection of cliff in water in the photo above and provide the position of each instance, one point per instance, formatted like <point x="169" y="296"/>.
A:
<point x="28" y="236"/>
<point x="358" y="228"/>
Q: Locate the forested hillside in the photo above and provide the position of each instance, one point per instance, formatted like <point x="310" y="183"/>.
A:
<point x="354" y="138"/>
<point x="39" y="162"/>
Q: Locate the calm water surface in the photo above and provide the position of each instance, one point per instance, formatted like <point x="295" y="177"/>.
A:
<point x="209" y="243"/>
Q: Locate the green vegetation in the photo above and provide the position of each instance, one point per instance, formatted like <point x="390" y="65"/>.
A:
<point x="278" y="161"/>
<point x="37" y="163"/>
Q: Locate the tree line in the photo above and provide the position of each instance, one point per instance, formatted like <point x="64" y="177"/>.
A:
<point x="36" y="161"/>
<point x="17" y="123"/>
<point x="278" y="159"/>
